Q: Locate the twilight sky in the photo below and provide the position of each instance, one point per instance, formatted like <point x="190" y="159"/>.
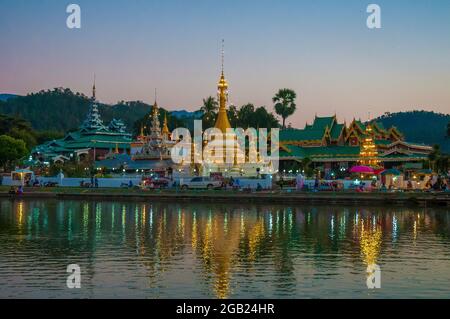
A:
<point x="320" y="48"/>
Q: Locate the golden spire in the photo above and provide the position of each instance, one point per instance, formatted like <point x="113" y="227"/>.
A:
<point x="142" y="130"/>
<point x="222" y="121"/>
<point x="155" y="105"/>
<point x="165" y="129"/>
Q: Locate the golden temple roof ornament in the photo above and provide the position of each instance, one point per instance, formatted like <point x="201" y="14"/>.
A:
<point x="165" y="129"/>
<point x="155" y="105"/>
<point x="222" y="121"/>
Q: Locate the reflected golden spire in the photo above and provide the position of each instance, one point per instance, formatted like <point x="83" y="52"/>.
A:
<point x="222" y="121"/>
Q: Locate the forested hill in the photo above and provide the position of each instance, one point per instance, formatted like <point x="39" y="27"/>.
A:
<point x="62" y="110"/>
<point x="420" y="127"/>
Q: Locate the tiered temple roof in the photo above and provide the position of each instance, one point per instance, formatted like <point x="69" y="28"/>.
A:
<point x="92" y="134"/>
<point x="327" y="140"/>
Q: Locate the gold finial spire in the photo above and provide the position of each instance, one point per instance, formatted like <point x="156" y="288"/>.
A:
<point x="165" y="129"/>
<point x="222" y="122"/>
<point x="223" y="54"/>
<point x="155" y="105"/>
<point x="142" y="129"/>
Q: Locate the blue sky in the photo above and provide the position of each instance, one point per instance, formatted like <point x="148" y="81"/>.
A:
<point x="321" y="49"/>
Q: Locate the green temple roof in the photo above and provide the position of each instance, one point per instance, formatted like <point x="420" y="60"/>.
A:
<point x="336" y="131"/>
<point x="383" y="142"/>
<point x="321" y="152"/>
<point x="91" y="134"/>
<point x="301" y="135"/>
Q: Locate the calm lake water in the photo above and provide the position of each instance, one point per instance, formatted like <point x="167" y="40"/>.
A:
<point x="163" y="250"/>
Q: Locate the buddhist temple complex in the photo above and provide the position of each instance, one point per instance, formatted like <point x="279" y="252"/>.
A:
<point x="331" y="145"/>
<point x="149" y="153"/>
<point x="328" y="146"/>
<point x="93" y="140"/>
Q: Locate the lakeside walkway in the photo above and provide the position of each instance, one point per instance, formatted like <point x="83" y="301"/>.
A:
<point x="267" y="197"/>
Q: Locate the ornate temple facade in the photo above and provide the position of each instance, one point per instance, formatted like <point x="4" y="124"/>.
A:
<point x="215" y="161"/>
<point x="157" y="144"/>
<point x="93" y="140"/>
<point x="331" y="145"/>
<point x="149" y="153"/>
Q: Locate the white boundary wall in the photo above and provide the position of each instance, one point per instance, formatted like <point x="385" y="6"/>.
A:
<point x="75" y="182"/>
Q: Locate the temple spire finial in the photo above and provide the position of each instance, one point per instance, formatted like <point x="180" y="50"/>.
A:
<point x="93" y="90"/>
<point x="155" y="104"/>
<point x="222" y="121"/>
<point x="223" y="55"/>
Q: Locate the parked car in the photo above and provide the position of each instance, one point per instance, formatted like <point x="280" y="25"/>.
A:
<point x="155" y="182"/>
<point x="51" y="184"/>
<point x="201" y="183"/>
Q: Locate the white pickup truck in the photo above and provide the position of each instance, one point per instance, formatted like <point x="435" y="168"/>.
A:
<point x="201" y="183"/>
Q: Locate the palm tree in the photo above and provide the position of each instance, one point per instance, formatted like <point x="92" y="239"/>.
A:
<point x="285" y="104"/>
<point x="209" y="110"/>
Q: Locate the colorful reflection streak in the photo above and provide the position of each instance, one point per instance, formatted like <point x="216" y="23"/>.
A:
<point x="156" y="250"/>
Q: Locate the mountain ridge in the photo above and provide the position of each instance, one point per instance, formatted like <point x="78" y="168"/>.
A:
<point x="422" y="127"/>
<point x="7" y="96"/>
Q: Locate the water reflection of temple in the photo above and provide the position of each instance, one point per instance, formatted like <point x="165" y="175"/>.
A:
<point x="220" y="243"/>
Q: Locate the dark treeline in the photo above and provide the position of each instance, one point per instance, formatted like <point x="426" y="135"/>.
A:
<point x="62" y="110"/>
<point x="424" y="127"/>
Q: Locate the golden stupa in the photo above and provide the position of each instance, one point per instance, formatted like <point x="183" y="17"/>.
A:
<point x="228" y="156"/>
<point x="222" y="122"/>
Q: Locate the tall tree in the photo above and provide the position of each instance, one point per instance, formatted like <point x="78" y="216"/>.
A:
<point x="209" y="109"/>
<point x="264" y="119"/>
<point x="448" y="129"/>
<point x="285" y="104"/>
<point x="11" y="150"/>
<point x="246" y="115"/>
<point x="232" y="113"/>
<point x="18" y="128"/>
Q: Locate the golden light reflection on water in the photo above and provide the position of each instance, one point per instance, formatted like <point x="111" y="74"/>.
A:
<point x="370" y="242"/>
<point x="217" y="240"/>
<point x="20" y="213"/>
